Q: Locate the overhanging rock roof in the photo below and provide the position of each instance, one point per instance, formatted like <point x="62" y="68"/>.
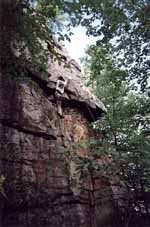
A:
<point x="75" y="89"/>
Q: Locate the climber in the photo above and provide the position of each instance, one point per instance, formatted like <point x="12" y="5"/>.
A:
<point x="60" y="87"/>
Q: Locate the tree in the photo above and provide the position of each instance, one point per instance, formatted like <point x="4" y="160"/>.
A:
<point x="25" y="26"/>
<point x="123" y="27"/>
<point x="126" y="127"/>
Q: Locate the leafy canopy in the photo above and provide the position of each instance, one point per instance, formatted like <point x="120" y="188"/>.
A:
<point x="126" y="127"/>
<point x="123" y="27"/>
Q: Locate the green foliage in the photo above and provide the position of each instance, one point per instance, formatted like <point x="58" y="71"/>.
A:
<point x="125" y="127"/>
<point x="32" y="23"/>
<point x="123" y="27"/>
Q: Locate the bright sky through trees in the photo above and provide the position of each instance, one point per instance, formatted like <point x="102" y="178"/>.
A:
<point x="79" y="43"/>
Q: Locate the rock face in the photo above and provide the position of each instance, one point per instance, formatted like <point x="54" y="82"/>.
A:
<point x="41" y="115"/>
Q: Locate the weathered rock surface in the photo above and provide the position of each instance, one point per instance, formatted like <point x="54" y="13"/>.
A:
<point x="33" y="140"/>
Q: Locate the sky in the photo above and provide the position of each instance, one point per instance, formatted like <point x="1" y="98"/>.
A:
<point x="79" y="42"/>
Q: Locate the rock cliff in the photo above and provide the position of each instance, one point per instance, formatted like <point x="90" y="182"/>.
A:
<point x="41" y="114"/>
